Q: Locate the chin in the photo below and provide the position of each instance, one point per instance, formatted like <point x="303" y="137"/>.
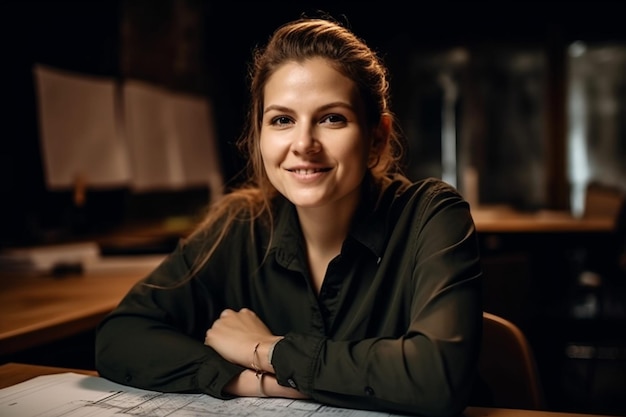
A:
<point x="307" y="202"/>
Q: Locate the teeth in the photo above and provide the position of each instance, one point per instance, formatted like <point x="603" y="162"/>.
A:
<point x="306" y="171"/>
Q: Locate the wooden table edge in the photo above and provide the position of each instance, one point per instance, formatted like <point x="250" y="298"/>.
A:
<point x="13" y="373"/>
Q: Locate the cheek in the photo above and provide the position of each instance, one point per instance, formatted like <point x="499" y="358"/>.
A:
<point x="363" y="152"/>
<point x="265" y="150"/>
<point x="274" y="149"/>
<point x="270" y="160"/>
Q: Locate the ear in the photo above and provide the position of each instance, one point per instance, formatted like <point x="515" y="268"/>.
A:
<point x="381" y="133"/>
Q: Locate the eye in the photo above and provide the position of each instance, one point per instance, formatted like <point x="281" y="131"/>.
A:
<point x="280" y="121"/>
<point x="334" y="119"/>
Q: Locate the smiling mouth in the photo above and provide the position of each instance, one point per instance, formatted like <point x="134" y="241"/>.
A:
<point x="308" y="171"/>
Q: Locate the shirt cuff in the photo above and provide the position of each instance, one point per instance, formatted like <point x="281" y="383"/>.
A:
<point x="213" y="376"/>
<point x="295" y="358"/>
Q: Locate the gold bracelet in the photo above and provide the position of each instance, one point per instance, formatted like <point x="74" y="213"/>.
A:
<point x="258" y="372"/>
<point x="259" y="377"/>
<point x="255" y="354"/>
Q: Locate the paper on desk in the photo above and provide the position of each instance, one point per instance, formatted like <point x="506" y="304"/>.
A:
<point x="70" y="394"/>
<point x="79" y="129"/>
<point x="43" y="259"/>
<point x="84" y="256"/>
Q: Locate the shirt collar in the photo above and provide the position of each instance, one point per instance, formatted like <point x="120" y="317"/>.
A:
<point x="287" y="241"/>
<point x="369" y="225"/>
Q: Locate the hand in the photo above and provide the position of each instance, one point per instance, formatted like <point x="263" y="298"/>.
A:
<point x="235" y="334"/>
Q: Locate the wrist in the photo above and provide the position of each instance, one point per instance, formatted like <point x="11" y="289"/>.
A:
<point x="256" y="364"/>
<point x="262" y="355"/>
<point x="270" y="352"/>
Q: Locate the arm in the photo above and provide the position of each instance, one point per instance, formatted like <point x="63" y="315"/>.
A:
<point x="424" y="307"/>
<point x="154" y="338"/>
<point x="242" y="338"/>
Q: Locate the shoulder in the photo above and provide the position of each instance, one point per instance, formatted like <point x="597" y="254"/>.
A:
<point x="434" y="186"/>
<point x="424" y="192"/>
<point x="429" y="201"/>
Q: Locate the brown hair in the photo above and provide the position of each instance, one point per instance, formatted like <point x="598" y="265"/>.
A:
<point x="298" y="41"/>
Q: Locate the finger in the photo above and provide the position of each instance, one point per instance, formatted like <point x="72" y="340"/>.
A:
<point x="247" y="312"/>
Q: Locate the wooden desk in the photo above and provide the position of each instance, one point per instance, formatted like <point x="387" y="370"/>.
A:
<point x="505" y="220"/>
<point x="14" y="373"/>
<point x="38" y="309"/>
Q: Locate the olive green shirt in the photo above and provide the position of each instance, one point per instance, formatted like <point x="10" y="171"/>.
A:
<point x="396" y="325"/>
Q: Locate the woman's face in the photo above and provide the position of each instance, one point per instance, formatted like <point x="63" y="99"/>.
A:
<point x="314" y="139"/>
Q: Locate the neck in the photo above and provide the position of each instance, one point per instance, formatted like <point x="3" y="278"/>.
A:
<point x="325" y="228"/>
<point x="324" y="231"/>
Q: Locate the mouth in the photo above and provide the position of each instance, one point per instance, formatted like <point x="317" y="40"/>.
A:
<point x="308" y="171"/>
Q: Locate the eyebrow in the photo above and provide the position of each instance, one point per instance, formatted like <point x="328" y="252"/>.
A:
<point x="276" y="107"/>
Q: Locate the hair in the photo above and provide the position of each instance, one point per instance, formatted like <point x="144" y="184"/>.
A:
<point x="298" y="41"/>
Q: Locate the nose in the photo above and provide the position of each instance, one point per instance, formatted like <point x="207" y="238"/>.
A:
<point x="305" y="142"/>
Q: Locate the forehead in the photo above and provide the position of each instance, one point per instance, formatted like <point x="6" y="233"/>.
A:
<point x="311" y="78"/>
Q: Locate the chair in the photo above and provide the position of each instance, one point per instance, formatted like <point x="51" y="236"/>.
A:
<point x="602" y="200"/>
<point x="605" y="263"/>
<point x="507" y="366"/>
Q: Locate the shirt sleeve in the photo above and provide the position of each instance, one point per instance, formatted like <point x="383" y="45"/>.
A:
<point x="161" y="313"/>
<point x="428" y="368"/>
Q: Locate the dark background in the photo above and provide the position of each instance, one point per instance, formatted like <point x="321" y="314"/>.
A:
<point x="86" y="37"/>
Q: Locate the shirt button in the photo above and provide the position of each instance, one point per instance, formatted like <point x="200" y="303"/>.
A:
<point x="128" y="378"/>
<point x="292" y="383"/>
<point x="369" y="391"/>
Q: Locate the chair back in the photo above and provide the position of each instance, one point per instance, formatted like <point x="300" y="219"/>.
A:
<point x="606" y="262"/>
<point x="603" y="200"/>
<point x="507" y="366"/>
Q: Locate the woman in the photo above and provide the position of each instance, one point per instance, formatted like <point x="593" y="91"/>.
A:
<point x="329" y="275"/>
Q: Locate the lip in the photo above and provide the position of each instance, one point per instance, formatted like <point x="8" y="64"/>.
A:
<point x="307" y="173"/>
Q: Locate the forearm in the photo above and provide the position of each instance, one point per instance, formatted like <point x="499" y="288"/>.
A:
<point x="252" y="384"/>
<point x="423" y="372"/>
<point x="259" y="380"/>
<point x="138" y="352"/>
